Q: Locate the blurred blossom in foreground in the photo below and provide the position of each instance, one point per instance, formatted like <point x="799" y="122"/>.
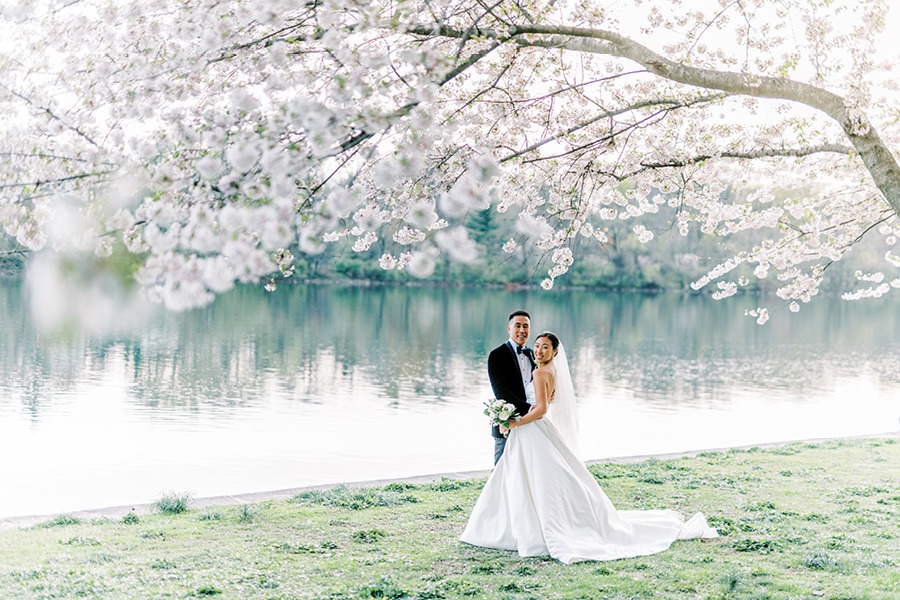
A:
<point x="67" y="296"/>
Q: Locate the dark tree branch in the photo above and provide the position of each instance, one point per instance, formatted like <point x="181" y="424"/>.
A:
<point x="671" y="103"/>
<point x="762" y="153"/>
<point x="57" y="181"/>
<point x="49" y="156"/>
<point x="363" y="135"/>
<point x="52" y="115"/>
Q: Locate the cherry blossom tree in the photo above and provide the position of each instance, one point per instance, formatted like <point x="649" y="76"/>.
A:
<point x="212" y="140"/>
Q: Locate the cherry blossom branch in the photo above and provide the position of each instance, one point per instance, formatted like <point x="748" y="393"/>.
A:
<point x="493" y="85"/>
<point x="709" y="24"/>
<point x="670" y="103"/>
<point x="50" y="156"/>
<point x="232" y="51"/>
<point x="876" y="156"/>
<point x="19" y="251"/>
<point x="649" y="119"/>
<point x="575" y="87"/>
<point x="761" y="153"/>
<point x="878" y="159"/>
<point x="407" y="108"/>
<point x="52" y="115"/>
<point x="488" y="10"/>
<point x="56" y="181"/>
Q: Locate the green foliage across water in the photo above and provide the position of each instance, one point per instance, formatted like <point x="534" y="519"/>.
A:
<point x="826" y="530"/>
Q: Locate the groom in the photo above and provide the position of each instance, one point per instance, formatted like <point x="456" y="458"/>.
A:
<point x="509" y="369"/>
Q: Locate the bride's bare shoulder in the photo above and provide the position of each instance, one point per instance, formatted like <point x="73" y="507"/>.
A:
<point x="544" y="374"/>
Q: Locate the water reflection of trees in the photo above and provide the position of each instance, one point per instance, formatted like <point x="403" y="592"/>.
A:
<point x="30" y="370"/>
<point x="417" y="346"/>
<point x="671" y="348"/>
<point x="684" y="348"/>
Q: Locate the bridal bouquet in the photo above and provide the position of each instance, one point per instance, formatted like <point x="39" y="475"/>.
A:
<point x="500" y="412"/>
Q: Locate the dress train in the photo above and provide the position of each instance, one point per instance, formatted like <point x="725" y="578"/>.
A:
<point x="541" y="500"/>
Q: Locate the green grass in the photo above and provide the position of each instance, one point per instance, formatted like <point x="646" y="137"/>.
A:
<point x="173" y="503"/>
<point x="247" y="513"/>
<point x="60" y="521"/>
<point x="131" y="519"/>
<point x="804" y="521"/>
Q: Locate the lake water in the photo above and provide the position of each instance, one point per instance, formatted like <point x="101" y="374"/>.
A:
<point x="321" y="384"/>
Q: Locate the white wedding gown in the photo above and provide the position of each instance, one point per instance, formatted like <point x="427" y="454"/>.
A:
<point x="541" y="500"/>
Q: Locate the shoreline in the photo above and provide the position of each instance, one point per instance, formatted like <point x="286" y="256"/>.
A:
<point x="18" y="277"/>
<point x="117" y="512"/>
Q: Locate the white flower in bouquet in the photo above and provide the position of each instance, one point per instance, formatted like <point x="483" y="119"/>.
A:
<point x="500" y="412"/>
<point x="506" y="412"/>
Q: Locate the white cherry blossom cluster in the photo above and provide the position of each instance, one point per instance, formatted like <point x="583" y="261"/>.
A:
<point x="870" y="292"/>
<point x="422" y="262"/>
<point x="760" y="314"/>
<point x="873" y="277"/>
<point x="562" y="259"/>
<point x="801" y="286"/>
<point x="284" y="259"/>
<point x="457" y="244"/>
<point x="726" y="289"/>
<point x="718" y="271"/>
<point x="644" y="235"/>
<point x="364" y="242"/>
<point x="252" y="132"/>
<point x="387" y="261"/>
<point x="406" y="236"/>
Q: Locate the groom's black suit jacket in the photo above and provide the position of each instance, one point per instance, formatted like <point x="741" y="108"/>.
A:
<point x="506" y="378"/>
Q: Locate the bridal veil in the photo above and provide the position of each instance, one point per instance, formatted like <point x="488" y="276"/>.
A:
<point x="563" y="412"/>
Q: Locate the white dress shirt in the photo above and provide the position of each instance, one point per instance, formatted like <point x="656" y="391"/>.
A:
<point x="524" y="364"/>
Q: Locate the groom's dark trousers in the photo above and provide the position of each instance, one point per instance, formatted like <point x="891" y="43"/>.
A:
<point x="506" y="382"/>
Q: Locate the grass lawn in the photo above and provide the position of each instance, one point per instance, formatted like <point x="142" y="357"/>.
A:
<point x="800" y="521"/>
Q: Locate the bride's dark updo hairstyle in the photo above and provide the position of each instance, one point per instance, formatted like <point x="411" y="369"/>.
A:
<point x="554" y="340"/>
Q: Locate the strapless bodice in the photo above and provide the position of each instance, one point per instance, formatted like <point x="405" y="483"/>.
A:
<point x="529" y="393"/>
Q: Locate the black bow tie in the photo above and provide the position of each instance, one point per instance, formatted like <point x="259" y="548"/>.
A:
<point x="521" y="350"/>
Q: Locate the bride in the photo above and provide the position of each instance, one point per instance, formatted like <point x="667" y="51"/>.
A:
<point x="540" y="499"/>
